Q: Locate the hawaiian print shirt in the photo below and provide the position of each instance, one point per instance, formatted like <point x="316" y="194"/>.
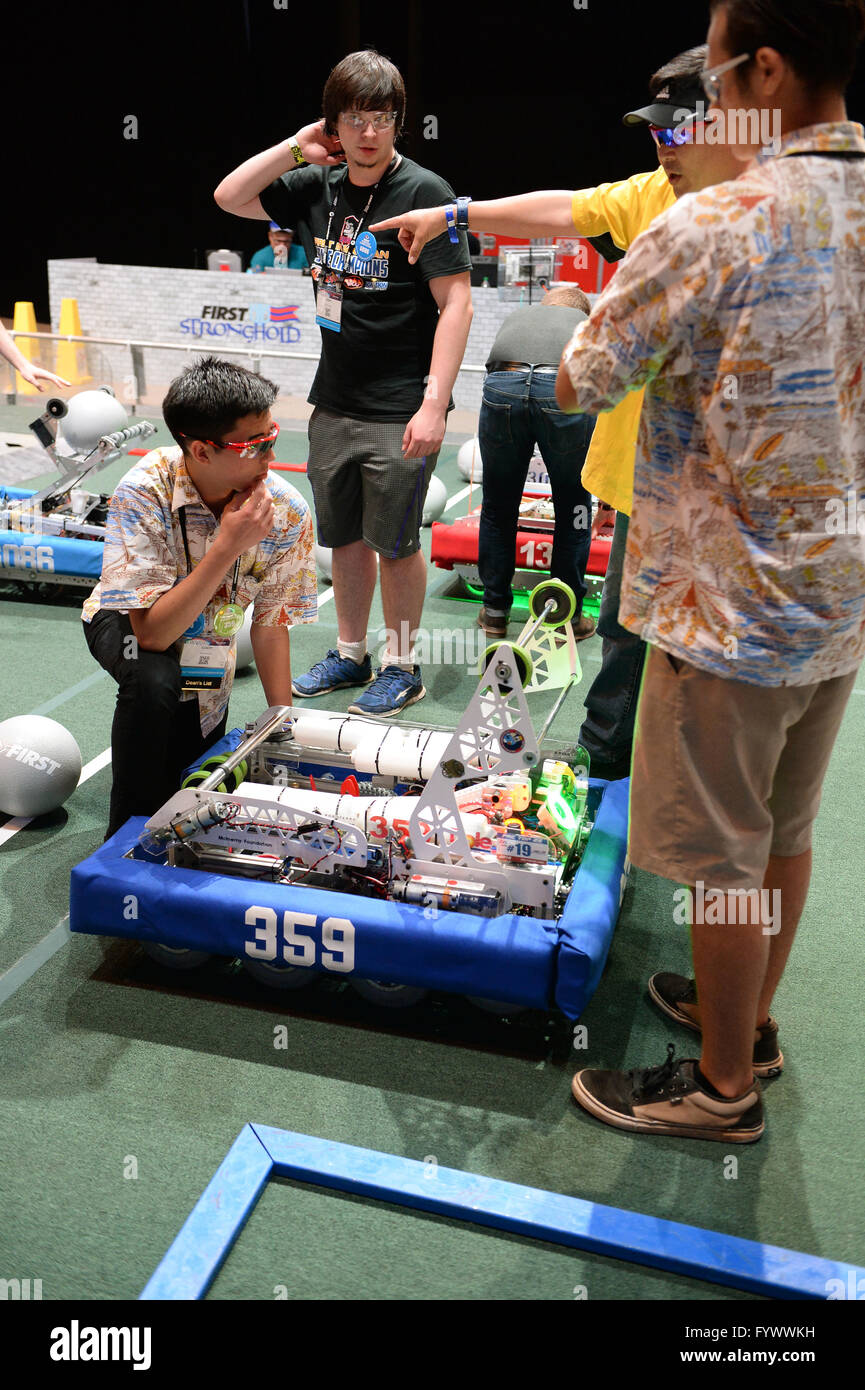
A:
<point x="743" y="311"/>
<point x="145" y="557"/>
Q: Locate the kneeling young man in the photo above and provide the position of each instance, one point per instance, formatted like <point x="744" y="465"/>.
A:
<point x="195" y="534"/>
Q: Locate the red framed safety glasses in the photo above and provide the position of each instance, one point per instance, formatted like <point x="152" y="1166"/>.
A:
<point x="246" y="448"/>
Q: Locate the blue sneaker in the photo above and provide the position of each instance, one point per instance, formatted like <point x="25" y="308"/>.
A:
<point x="392" y="689"/>
<point x="335" y="672"/>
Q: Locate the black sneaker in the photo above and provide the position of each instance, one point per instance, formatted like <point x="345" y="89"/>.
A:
<point x="670" y="991"/>
<point x="669" y="1099"/>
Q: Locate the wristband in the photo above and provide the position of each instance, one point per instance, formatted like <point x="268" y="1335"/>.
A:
<point x="450" y="218"/>
<point x="463" y="214"/>
<point x="295" y="152"/>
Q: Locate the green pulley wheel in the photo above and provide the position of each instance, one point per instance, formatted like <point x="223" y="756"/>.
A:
<point x="200" y="775"/>
<point x="563" y="598"/>
<point x="523" y="661"/>
<point x="233" y="778"/>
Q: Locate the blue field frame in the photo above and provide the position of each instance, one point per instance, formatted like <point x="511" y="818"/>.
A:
<point x="260" y="1153"/>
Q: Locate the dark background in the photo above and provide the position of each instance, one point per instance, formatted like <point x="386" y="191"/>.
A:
<point x="527" y="96"/>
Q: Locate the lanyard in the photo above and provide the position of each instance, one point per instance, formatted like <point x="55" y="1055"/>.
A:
<point x="189" y="566"/>
<point x="356" y="232"/>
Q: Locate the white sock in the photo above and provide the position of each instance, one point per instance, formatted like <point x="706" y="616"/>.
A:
<point x="405" y="664"/>
<point x="352" y="651"/>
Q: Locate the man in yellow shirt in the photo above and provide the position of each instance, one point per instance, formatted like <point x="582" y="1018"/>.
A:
<point x="621" y="210"/>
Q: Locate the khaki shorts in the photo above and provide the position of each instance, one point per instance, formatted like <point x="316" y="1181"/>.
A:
<point x="724" y="773"/>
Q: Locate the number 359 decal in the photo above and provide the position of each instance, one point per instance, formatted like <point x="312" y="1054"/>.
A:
<point x="297" y="947"/>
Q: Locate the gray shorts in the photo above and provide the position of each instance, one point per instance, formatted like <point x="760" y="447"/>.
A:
<point x="363" y="487"/>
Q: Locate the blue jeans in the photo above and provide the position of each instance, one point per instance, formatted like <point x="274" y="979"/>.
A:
<point x="611" y="703"/>
<point x="518" y="410"/>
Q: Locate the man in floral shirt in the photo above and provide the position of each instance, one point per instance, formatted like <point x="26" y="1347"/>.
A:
<point x="195" y="535"/>
<point x="741" y="311"/>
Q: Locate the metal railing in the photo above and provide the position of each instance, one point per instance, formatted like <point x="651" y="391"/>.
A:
<point x="133" y="398"/>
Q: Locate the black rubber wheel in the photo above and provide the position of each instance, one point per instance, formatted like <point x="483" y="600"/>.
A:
<point x="497" y="1006"/>
<point x="524" y="663"/>
<point x="175" y="957"/>
<point x="562" y="596"/>
<point x="389" y="996"/>
<point x="276" y="976"/>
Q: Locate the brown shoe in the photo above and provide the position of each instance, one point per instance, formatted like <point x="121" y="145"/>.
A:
<point x="495" y="624"/>
<point x="670" y="1099"/>
<point x="583" y="627"/>
<point x="670" y="991"/>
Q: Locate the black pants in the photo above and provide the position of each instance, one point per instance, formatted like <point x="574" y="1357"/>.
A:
<point x="155" y="734"/>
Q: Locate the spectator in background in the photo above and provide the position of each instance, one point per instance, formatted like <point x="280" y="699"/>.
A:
<point x="281" y="243"/>
<point x="518" y="411"/>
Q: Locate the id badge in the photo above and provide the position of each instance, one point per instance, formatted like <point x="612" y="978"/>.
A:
<point x="328" y="307"/>
<point x="203" y="661"/>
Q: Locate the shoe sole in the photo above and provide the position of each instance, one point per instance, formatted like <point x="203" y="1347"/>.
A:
<point x="765" y="1070"/>
<point x="343" y="685"/>
<point x="387" y="713"/>
<point x="585" y="636"/>
<point x="620" y="1121"/>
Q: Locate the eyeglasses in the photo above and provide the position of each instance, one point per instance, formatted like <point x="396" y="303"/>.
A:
<point x="359" y="120"/>
<point x="710" y="77"/>
<point x="669" y="135"/>
<point x="246" y="448"/>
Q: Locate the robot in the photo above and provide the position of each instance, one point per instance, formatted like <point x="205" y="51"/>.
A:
<point x="455" y="543"/>
<point x="397" y="855"/>
<point x="56" y="535"/>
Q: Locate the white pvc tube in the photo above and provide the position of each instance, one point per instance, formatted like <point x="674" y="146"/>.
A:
<point x="374" y="815"/>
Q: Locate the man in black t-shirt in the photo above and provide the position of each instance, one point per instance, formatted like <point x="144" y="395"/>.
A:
<point x="393" y="337"/>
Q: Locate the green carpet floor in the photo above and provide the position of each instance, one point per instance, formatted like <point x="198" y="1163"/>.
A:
<point x="118" y="1098"/>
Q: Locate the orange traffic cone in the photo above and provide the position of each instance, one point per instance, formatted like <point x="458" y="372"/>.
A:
<point x="71" y="357"/>
<point x="25" y="322"/>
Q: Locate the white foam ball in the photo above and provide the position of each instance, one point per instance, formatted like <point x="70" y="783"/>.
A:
<point x="436" y="499"/>
<point x="469" y="461"/>
<point x="245" y="655"/>
<point x="324" y="562"/>
<point x="40" y="764"/>
<point x="90" y="415"/>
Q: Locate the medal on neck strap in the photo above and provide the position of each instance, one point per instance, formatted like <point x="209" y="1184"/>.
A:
<point x="228" y="618"/>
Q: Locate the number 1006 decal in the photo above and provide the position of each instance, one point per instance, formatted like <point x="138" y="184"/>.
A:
<point x="288" y="942"/>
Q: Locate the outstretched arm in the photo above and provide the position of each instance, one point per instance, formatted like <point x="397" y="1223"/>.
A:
<point x="35" y="375"/>
<point x="527" y="214"/>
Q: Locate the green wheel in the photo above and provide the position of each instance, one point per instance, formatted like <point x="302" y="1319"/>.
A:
<point x="200" y="775"/>
<point x="232" y="781"/>
<point x="563" y="598"/>
<point x="524" y="663"/>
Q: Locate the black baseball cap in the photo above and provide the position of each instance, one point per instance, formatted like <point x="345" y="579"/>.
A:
<point x="676" y="102"/>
